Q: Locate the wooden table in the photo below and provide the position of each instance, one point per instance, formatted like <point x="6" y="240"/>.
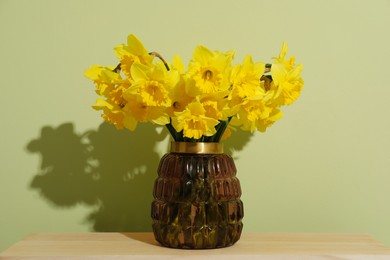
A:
<point x="261" y="246"/>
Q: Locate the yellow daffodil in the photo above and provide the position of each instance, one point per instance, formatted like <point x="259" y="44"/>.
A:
<point x="178" y="64"/>
<point x="149" y="97"/>
<point x="245" y="78"/>
<point x="245" y="82"/>
<point x="180" y="98"/>
<point x="193" y="121"/>
<point x="216" y="105"/>
<point x="112" y="113"/>
<point x="287" y="82"/>
<point x="110" y="86"/>
<point x="103" y="77"/>
<point x="210" y="71"/>
<point x="137" y="111"/>
<point x="152" y="84"/>
<point x="133" y="52"/>
<point x="200" y="104"/>
<point x="254" y="114"/>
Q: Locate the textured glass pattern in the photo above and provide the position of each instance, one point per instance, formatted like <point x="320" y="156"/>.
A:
<point x="197" y="201"/>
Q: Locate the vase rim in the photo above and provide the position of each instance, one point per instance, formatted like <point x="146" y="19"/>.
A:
<point x="197" y="147"/>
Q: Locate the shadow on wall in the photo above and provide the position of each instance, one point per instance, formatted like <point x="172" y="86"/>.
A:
<point x="109" y="170"/>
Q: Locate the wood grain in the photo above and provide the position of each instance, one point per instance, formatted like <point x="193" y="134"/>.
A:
<point x="143" y="246"/>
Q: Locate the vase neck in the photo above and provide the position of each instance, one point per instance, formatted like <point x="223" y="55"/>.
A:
<point x="197" y="147"/>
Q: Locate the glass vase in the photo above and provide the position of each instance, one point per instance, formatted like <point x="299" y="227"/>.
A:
<point x="197" y="198"/>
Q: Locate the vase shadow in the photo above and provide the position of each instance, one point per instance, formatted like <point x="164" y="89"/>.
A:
<point x="147" y="238"/>
<point x="236" y="143"/>
<point x="109" y="170"/>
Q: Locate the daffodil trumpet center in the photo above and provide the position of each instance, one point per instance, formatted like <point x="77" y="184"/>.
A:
<point x="208" y="75"/>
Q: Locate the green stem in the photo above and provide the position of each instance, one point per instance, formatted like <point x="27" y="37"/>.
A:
<point x="173" y="132"/>
<point x="221" y="127"/>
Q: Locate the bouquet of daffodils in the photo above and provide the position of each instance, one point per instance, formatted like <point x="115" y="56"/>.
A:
<point x="202" y="103"/>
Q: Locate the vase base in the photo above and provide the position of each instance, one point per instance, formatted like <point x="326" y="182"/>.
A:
<point x="204" y="238"/>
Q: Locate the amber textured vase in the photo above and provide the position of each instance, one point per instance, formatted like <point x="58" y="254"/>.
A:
<point x="197" y="198"/>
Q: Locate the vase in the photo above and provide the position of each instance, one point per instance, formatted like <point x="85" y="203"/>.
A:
<point x="197" y="198"/>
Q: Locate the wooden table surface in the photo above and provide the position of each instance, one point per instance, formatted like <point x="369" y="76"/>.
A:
<point x="143" y="246"/>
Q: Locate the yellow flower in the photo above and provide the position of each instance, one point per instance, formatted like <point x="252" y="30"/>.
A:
<point x="133" y="52"/>
<point x="94" y="72"/>
<point x="137" y="111"/>
<point x="147" y="85"/>
<point x="216" y="105"/>
<point x="103" y="77"/>
<point x="149" y="97"/>
<point x="180" y="98"/>
<point x="254" y="114"/>
<point x="178" y="64"/>
<point x="200" y="104"/>
<point x="193" y="121"/>
<point x="287" y="82"/>
<point x="245" y="82"/>
<point x="210" y="71"/>
<point x="153" y="84"/>
<point x="110" y="86"/>
<point x="112" y="113"/>
<point x="245" y="78"/>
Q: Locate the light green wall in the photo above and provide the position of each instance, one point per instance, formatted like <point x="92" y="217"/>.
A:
<point x="325" y="167"/>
